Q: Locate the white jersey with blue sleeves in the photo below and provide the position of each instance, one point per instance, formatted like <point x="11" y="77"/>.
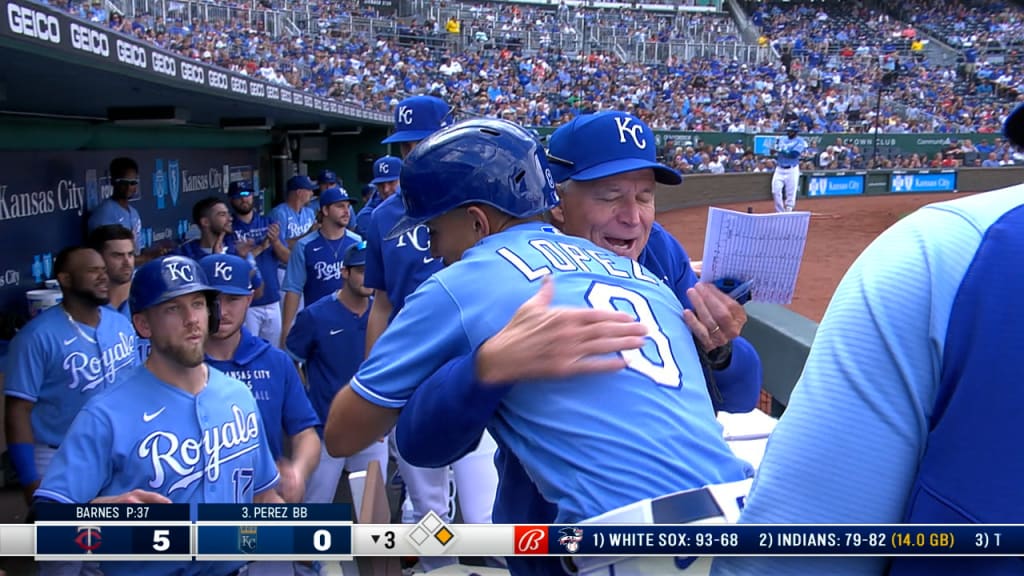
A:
<point x="848" y="447"/>
<point x="577" y="438"/>
<point x="59" y="364"/>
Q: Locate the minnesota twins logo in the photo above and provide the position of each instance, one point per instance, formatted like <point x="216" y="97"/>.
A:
<point x="89" y="538"/>
<point x="570" y="539"/>
<point x="173" y="180"/>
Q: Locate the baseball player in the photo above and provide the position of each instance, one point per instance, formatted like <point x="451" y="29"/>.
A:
<point x="488" y="226"/>
<point x="216" y="236"/>
<point x="293" y="217"/>
<point x="58" y="361"/>
<point x="124" y="179"/>
<point x="268" y="252"/>
<point x="927" y="302"/>
<point x="329" y="336"/>
<point x="268" y="372"/>
<point x="786" y="180"/>
<point x="177" y="430"/>
<point x="607" y="186"/>
<point x="314" y="268"/>
<point x="386" y="171"/>
<point x="328" y="179"/>
<point x="116" y="245"/>
<point x="395" y="268"/>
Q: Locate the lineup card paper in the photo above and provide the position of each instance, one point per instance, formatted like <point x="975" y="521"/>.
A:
<point x="765" y="248"/>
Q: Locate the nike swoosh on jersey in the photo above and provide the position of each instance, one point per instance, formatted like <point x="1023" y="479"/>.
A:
<point x="318" y="248"/>
<point x="147" y="417"/>
<point x="428" y="259"/>
<point x="338" y="331"/>
<point x="70" y="340"/>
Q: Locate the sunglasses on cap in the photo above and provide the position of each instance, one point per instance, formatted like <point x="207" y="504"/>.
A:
<point x="127" y="181"/>
<point x="242" y="194"/>
<point x="361" y="245"/>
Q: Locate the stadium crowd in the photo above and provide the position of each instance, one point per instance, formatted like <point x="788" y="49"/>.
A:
<point x="836" y="65"/>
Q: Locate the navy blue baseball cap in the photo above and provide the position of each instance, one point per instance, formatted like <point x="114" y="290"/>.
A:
<point x="417" y="117"/>
<point x="240" y="188"/>
<point x="386" y="169"/>
<point x="300" y="182"/>
<point x="605" y="144"/>
<point x="1013" y="128"/>
<point x="228" y="274"/>
<point x="333" y="195"/>
<point x="327" y="177"/>
<point x="355" y="255"/>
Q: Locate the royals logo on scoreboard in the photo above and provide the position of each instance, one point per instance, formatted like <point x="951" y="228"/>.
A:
<point x="570" y="539"/>
<point x="247" y="539"/>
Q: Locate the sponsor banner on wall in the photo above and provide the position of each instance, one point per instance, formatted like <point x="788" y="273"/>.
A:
<point x="839" y="184"/>
<point x="45" y="26"/>
<point x="944" y="181"/>
<point x="46" y="198"/>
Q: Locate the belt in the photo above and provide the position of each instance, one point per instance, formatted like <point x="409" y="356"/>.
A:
<point x="784" y="167"/>
<point x="684" y="507"/>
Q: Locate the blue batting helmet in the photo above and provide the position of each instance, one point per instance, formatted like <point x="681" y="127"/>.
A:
<point x="166" y="278"/>
<point x="793" y="127"/>
<point x="477" y="161"/>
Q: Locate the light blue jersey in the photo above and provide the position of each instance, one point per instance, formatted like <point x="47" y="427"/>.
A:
<point x="59" y="364"/>
<point x="110" y="212"/>
<point x="789" y="150"/>
<point x="908" y="361"/>
<point x="577" y="438"/>
<point x="292" y="224"/>
<point x="149" y="435"/>
<point x="314" y="268"/>
<point x="141" y="344"/>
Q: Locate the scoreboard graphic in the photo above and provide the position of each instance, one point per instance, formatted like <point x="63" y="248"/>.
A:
<point x="183" y="532"/>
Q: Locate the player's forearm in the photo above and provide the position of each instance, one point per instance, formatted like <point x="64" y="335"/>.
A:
<point x="268" y="497"/>
<point x="291" y="307"/>
<point x="740" y="382"/>
<point x="18" y="420"/>
<point x="446" y="416"/>
<point x="378" y="320"/>
<point x="354" y="423"/>
<point x="281" y="250"/>
<point x="306" y="452"/>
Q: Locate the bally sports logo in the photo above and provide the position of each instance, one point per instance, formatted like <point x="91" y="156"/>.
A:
<point x="531" y="540"/>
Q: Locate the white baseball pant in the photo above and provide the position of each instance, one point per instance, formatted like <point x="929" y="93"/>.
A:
<point x="727" y="498"/>
<point x="323" y="483"/>
<point x="265" y="322"/>
<point x="784" y="187"/>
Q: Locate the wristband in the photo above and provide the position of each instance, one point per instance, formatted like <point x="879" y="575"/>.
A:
<point x="23" y="457"/>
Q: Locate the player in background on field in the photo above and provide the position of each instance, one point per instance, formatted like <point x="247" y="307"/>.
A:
<point x="118" y="448"/>
<point x="786" y="181"/>
<point x="329" y="337"/>
<point x="482" y="187"/>
<point x="907" y="410"/>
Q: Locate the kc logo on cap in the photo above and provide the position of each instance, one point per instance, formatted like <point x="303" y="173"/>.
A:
<point x="635" y="131"/>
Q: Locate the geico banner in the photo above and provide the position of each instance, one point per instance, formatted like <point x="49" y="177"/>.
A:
<point x="46" y="198"/>
<point x="47" y="26"/>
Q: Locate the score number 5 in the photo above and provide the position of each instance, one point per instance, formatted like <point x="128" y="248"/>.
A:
<point x="161" y="540"/>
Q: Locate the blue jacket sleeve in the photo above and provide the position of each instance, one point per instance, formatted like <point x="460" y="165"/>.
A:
<point x="455" y="407"/>
<point x="740" y="382"/>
